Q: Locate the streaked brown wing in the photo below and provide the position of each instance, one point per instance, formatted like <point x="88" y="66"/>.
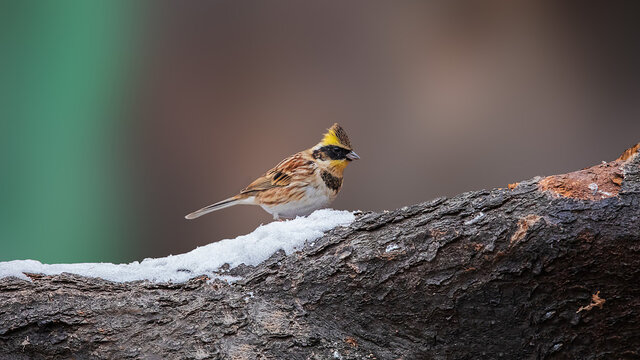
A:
<point x="280" y="175"/>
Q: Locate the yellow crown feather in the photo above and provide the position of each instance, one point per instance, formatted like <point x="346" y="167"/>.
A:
<point x="330" y="138"/>
<point x="336" y="136"/>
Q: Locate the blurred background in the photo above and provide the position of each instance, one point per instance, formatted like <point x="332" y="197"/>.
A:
<point x="119" y="117"/>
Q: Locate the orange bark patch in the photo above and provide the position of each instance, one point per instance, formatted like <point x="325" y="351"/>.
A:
<point x="34" y="276"/>
<point x="512" y="186"/>
<point x="523" y="226"/>
<point x="351" y="341"/>
<point x="594" y="183"/>
<point x="630" y="152"/>
<point x="391" y="255"/>
<point x="596" y="300"/>
<point x="437" y="233"/>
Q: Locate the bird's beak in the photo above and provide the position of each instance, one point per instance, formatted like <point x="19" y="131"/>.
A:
<point x="353" y="156"/>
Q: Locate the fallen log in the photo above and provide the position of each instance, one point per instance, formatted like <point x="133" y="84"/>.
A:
<point x="545" y="268"/>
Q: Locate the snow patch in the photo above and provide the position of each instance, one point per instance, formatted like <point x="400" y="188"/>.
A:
<point x="391" y="248"/>
<point x="475" y="219"/>
<point x="250" y="249"/>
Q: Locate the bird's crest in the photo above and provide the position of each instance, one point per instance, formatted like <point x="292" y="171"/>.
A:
<point x="336" y="136"/>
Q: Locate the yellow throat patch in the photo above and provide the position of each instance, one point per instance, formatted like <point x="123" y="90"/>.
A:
<point x="339" y="165"/>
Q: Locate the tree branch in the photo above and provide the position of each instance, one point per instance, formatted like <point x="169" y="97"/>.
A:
<point x="548" y="267"/>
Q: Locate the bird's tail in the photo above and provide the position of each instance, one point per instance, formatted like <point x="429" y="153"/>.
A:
<point x="236" y="200"/>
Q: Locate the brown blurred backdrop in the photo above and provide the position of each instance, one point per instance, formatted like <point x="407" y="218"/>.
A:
<point x="438" y="97"/>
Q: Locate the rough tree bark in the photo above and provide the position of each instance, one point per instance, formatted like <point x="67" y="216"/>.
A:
<point x="547" y="268"/>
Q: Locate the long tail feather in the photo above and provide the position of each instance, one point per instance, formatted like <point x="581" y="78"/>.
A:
<point x="236" y="200"/>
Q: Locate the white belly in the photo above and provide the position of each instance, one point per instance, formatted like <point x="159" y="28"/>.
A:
<point x="315" y="198"/>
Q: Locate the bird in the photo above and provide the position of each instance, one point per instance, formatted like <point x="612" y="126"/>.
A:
<point x="300" y="184"/>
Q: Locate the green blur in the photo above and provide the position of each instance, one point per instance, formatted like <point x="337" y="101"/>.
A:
<point x="63" y="187"/>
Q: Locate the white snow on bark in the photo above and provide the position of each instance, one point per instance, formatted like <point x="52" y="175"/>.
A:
<point x="250" y="249"/>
